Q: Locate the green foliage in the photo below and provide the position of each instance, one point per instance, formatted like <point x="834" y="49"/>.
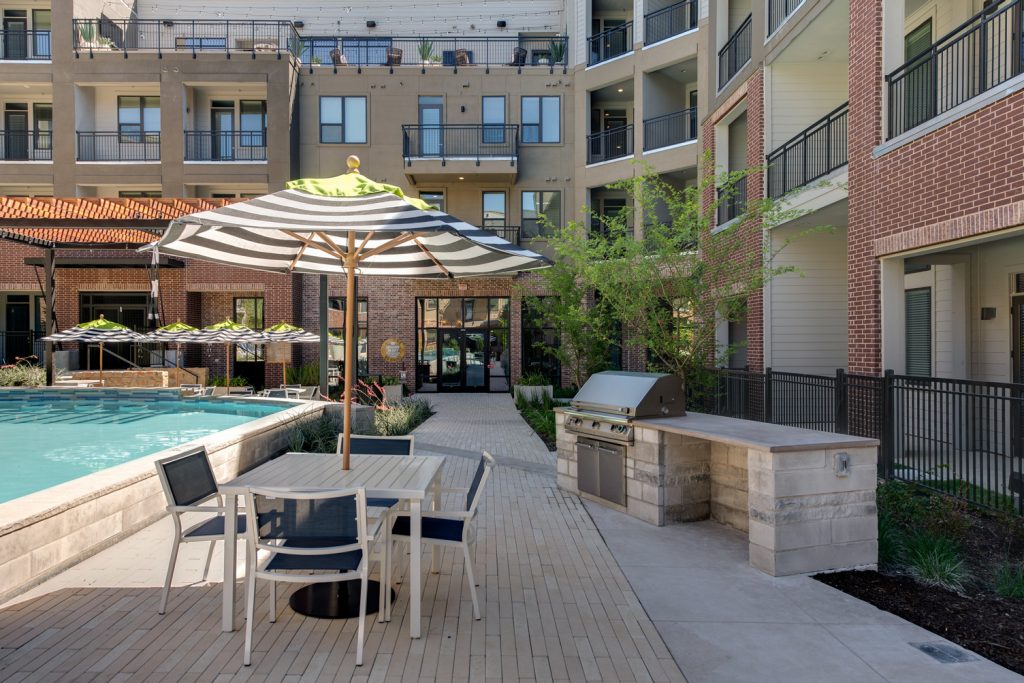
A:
<point x="565" y="392"/>
<point x="890" y="540"/>
<point x="390" y="380"/>
<point x="22" y="374"/>
<point x="539" y="414"/>
<point x="87" y="30"/>
<point x="220" y="381"/>
<point x="1009" y="580"/>
<point x="401" y="418"/>
<point x="533" y="379"/>
<point x="316" y="436"/>
<point x="307" y="375"/>
<point x="426" y="50"/>
<point x="557" y="48"/>
<point x="935" y="560"/>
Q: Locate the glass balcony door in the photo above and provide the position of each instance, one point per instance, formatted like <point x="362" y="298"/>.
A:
<point x="431" y="117"/>
<point x="222" y="125"/>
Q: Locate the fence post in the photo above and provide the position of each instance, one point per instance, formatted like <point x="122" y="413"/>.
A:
<point x="842" y="403"/>
<point x="767" y="404"/>
<point x="886" y="450"/>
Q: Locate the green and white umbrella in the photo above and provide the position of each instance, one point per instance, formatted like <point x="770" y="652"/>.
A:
<point x="99" y="331"/>
<point x="229" y="333"/>
<point x="175" y="333"/>
<point x="286" y="333"/>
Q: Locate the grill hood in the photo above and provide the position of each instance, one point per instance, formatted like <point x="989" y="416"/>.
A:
<point x="632" y="394"/>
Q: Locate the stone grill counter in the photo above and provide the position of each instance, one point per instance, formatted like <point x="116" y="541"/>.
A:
<point x="805" y="499"/>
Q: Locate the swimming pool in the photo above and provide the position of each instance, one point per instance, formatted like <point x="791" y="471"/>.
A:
<point x="49" y="437"/>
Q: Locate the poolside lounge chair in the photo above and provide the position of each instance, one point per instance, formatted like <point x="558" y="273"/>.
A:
<point x="274" y="393"/>
<point x="188" y="482"/>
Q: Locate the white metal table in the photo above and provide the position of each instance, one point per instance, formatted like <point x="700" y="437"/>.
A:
<point x="411" y="478"/>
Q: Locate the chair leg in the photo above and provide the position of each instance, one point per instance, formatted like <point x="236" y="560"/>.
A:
<point x="273" y="602"/>
<point x="209" y="558"/>
<point x="250" y="610"/>
<point x="170" y="575"/>
<point x="472" y="583"/>
<point x="362" y="618"/>
<point x="388" y="574"/>
<point x="385" y="585"/>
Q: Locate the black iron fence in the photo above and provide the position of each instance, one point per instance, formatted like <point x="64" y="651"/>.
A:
<point x="114" y="146"/>
<point x="509" y="233"/>
<point x="610" y="43"/>
<point x="735" y="53"/>
<point x="461" y="141"/>
<point x="206" y="145"/>
<point x="613" y="143"/>
<point x="980" y="54"/>
<point x="670" y="21"/>
<point x="435" y="51"/>
<point x="25" y="45"/>
<point x="960" y="437"/>
<point x="670" y="129"/>
<point x="184" y="35"/>
<point x="17" y="345"/>
<point x="732" y="200"/>
<point x="26" y="145"/>
<point x="812" y="153"/>
<point x="778" y="10"/>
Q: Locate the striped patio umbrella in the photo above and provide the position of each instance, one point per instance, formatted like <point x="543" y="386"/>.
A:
<point x="100" y="330"/>
<point x="342" y="225"/>
<point x="286" y="333"/>
<point x="175" y="333"/>
<point x="228" y="333"/>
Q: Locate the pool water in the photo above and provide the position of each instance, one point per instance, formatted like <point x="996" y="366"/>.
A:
<point x="45" y="441"/>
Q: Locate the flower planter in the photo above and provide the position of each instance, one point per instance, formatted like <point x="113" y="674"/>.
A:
<point x="393" y="393"/>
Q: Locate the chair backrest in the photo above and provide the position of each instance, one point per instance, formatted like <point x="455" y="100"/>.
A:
<point x="480" y="477"/>
<point x="194" y="387"/>
<point x="379" y="445"/>
<point x="208" y="391"/>
<point x="519" y="56"/>
<point x="276" y="393"/>
<point x="312" y="522"/>
<point x="187" y="479"/>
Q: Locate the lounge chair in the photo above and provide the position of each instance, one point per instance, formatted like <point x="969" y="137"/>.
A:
<point x="518" y="57"/>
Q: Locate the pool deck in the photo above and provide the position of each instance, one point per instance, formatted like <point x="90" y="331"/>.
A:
<point x="564" y="597"/>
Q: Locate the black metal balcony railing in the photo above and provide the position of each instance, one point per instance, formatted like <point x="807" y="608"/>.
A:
<point x="93" y="146"/>
<point x="184" y="35"/>
<point x="208" y="145"/>
<point x="25" y="45"/>
<point x="812" y="153"/>
<point x="735" y="53"/>
<point x="429" y="51"/>
<point x="732" y="202"/>
<point x="670" y="21"/>
<point x="778" y="11"/>
<point x="26" y="145"/>
<point x="461" y="141"/>
<point x="670" y="129"/>
<point x="980" y="54"/>
<point x="613" y="143"/>
<point x="509" y="233"/>
<point x="610" y="43"/>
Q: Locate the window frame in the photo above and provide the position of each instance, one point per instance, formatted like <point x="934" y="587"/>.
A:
<point x="540" y="125"/>
<point x="252" y="138"/>
<point x="493" y="133"/>
<point x="143" y="134"/>
<point x="538" y="233"/>
<point x="342" y="125"/>
<point x="484" y="221"/>
<point x="257" y="353"/>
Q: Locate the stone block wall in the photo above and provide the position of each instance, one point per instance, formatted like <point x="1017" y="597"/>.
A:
<point x="729" y="485"/>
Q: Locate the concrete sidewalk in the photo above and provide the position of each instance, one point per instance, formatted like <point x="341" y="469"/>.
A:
<point x="724" y="621"/>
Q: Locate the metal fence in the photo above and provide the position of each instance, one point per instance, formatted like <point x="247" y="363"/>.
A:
<point x="184" y="35"/>
<point x="114" y="146"/>
<point x="670" y="21"/>
<point x="26" y="145"/>
<point x="812" y="153"/>
<point x="778" y="11"/>
<point x="732" y="201"/>
<point x="613" y="143"/>
<point x="670" y="129"/>
<point x="735" y="53"/>
<point x="461" y="141"/>
<point x="206" y="145"/>
<point x="25" y="45"/>
<point x="960" y="437"/>
<point x="610" y="43"/>
<point x="980" y="54"/>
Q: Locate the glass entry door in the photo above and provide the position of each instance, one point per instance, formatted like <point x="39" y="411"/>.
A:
<point x="464" y="360"/>
<point x="451" y="360"/>
<point x="16" y="132"/>
<point x="15" y="34"/>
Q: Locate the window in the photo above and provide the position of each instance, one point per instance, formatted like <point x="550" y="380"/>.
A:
<point x="42" y="116"/>
<point x="539" y="337"/>
<point x="139" y="194"/>
<point x="494" y="120"/>
<point x="138" y="118"/>
<point x="542" y="213"/>
<point x="252" y="116"/>
<point x="249" y="312"/>
<point x="918" y="337"/>
<point x="494" y="209"/>
<point x="336" y="326"/>
<point x="435" y="199"/>
<point x="541" y="119"/>
<point x="342" y="120"/>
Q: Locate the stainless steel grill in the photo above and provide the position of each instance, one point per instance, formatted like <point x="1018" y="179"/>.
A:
<point x="608" y="402"/>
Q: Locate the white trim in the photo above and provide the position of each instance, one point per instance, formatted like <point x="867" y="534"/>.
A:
<point x="226" y="161"/>
<point x="611" y="161"/>
<point x="613" y="59"/>
<point x="666" y="40"/>
<point x="26" y="61"/>
<point x="668" y="147"/>
<point x="724" y="226"/>
<point x="26" y="161"/>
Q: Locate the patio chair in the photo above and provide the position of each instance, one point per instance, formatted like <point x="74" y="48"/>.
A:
<point x="337" y="58"/>
<point x="188" y="482"/>
<point x="274" y="393"/>
<point x="309" y="393"/>
<point x="451" y="529"/>
<point x="394" y="57"/>
<point x="518" y="57"/>
<point x="304" y="532"/>
<point x="196" y="389"/>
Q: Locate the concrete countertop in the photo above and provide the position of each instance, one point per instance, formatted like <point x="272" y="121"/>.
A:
<point x="750" y="434"/>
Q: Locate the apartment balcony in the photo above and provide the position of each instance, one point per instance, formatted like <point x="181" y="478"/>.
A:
<point x="779" y="11"/>
<point x="818" y="150"/>
<point x="735" y="54"/>
<point x="670" y="21"/>
<point x="611" y="43"/>
<point x="614" y="143"/>
<point x="979" y="55"/>
<point x="226" y="146"/>
<point x="509" y="233"/>
<point x="429" y="52"/>
<point x="25" y="45"/>
<point x="486" y="151"/>
<point x="670" y="129"/>
<point x="732" y="202"/>
<point x="26" y="145"/>
<point x="188" y="36"/>
<point x="118" y="146"/>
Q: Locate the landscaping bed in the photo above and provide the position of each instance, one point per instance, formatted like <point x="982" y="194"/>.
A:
<point x="539" y="413"/>
<point x="956" y="571"/>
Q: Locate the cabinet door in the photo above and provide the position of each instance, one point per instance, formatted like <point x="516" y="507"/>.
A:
<point x="612" y="466"/>
<point x="587" y="468"/>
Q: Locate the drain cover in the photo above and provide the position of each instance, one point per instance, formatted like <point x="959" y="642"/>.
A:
<point x="945" y="653"/>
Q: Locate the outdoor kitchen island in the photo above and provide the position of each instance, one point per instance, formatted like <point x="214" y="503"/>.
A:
<point x="805" y="499"/>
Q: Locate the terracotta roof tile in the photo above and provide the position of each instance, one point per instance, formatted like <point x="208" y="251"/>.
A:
<point x="100" y="208"/>
<point x="84" y="236"/>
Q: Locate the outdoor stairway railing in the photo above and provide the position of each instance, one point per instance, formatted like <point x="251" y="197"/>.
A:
<point x="206" y="145"/>
<point x="614" y="143"/>
<point x="670" y="129"/>
<point x="115" y="146"/>
<point x="670" y="21"/>
<point x="812" y="153"/>
<point x="185" y="35"/>
<point x="735" y="53"/>
<point x="610" y="43"/>
<point x="475" y="142"/>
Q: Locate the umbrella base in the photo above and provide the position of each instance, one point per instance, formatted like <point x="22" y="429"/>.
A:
<point x="336" y="600"/>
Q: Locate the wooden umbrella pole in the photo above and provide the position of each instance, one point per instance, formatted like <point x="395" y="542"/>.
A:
<point x="101" y="363"/>
<point x="350" y="348"/>
<point x="227" y="366"/>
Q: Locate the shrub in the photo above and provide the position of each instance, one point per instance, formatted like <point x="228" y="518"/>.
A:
<point x="317" y="436"/>
<point x="220" y="381"/>
<point x="390" y="380"/>
<point x="307" y="375"/>
<point x="22" y="374"/>
<point x="539" y="414"/>
<point x="1009" y="580"/>
<point x="534" y="379"/>
<point x="565" y="392"/>
<point x="401" y="418"/>
<point x="935" y="561"/>
<point x="890" y="540"/>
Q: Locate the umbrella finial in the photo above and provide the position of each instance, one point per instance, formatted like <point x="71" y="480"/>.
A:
<point x="353" y="163"/>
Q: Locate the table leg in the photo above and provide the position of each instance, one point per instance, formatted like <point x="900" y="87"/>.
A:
<point x="435" y="504"/>
<point x="415" y="569"/>
<point x="230" y="545"/>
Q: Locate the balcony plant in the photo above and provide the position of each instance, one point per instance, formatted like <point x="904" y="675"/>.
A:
<point x="533" y="386"/>
<point x="425" y="48"/>
<point x="557" y="48"/>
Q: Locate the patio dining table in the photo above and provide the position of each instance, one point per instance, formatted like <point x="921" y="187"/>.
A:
<point x="411" y="478"/>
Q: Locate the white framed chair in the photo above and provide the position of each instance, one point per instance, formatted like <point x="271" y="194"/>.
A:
<point x="451" y="528"/>
<point x="194" y="389"/>
<point x="188" y="483"/>
<point x="309" y="537"/>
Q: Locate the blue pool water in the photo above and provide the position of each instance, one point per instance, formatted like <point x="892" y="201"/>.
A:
<point x="49" y="439"/>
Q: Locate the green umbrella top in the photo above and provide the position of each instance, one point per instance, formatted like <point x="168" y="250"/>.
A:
<point x="177" y="327"/>
<point x="282" y="328"/>
<point x="228" y="331"/>
<point x="99" y="330"/>
<point x="286" y="332"/>
<point x="352" y="184"/>
<point x="102" y="323"/>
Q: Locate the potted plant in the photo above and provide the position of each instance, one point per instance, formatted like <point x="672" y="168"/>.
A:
<point x="557" y="50"/>
<point x="392" y="388"/>
<point x="426" y="51"/>
<point x="533" y="386"/>
<point x="87" y="33"/>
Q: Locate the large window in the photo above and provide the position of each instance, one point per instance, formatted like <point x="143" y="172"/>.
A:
<point x="252" y="115"/>
<point x="541" y="119"/>
<point x="542" y="213"/>
<point x="494" y="214"/>
<point x="249" y="312"/>
<point x="918" y="337"/>
<point x="138" y="118"/>
<point x="494" y="120"/>
<point x="539" y="335"/>
<point x="336" y="326"/>
<point x="434" y="199"/>
<point x="342" y="120"/>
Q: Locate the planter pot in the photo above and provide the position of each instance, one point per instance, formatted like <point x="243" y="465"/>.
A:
<point x="533" y="393"/>
<point x="393" y="393"/>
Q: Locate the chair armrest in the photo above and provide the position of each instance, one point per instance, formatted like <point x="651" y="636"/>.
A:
<point x="200" y="508"/>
